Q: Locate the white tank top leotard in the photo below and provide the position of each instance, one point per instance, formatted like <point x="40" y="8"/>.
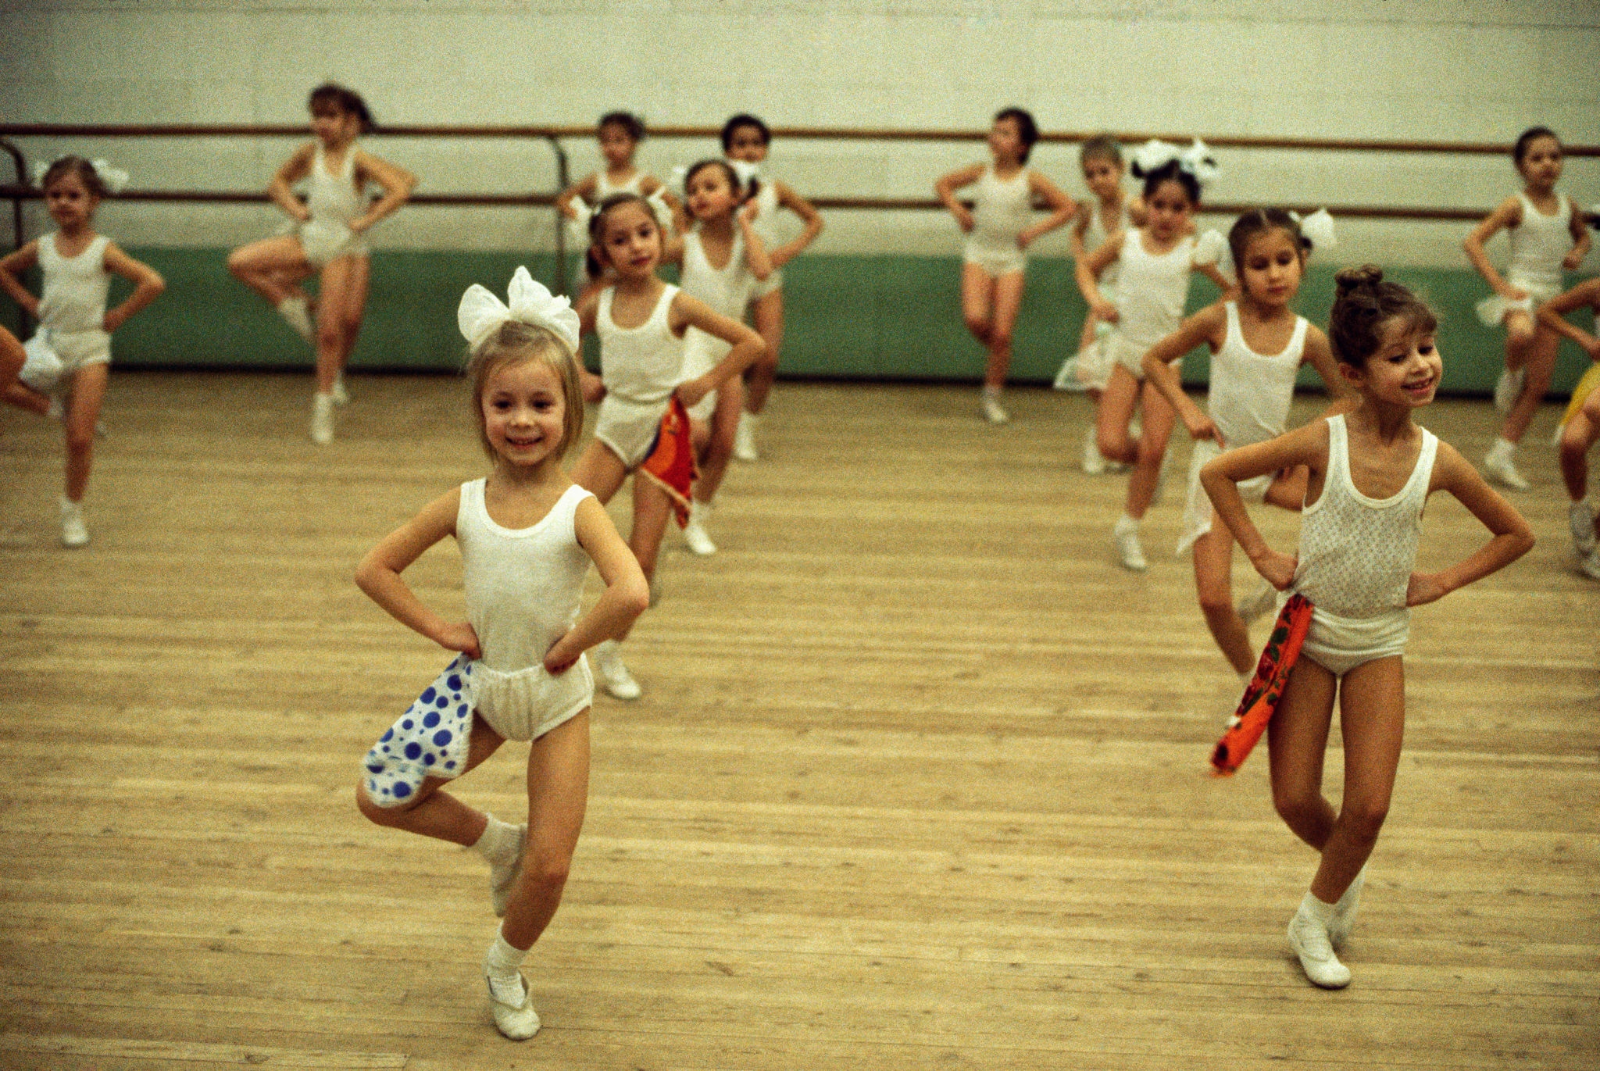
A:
<point x="1151" y="290"/>
<point x="333" y="201"/>
<point x="72" y="305"/>
<point x="1250" y="393"/>
<point x="639" y="364"/>
<point x="1000" y="212"/>
<point x="603" y="187"/>
<point x="725" y="289"/>
<point x="1538" y="245"/>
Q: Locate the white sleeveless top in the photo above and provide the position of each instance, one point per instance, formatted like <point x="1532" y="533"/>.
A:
<point x="1000" y="210"/>
<point x="1096" y="235"/>
<point x="1539" y="243"/>
<point x="1357" y="553"/>
<point x="1250" y="392"/>
<point x="75" y="288"/>
<point x="603" y="187"/>
<point x="1152" y="289"/>
<point x="726" y="289"/>
<point x="766" y="222"/>
<point x="522" y="585"/>
<point x="331" y="196"/>
<point x="639" y="364"/>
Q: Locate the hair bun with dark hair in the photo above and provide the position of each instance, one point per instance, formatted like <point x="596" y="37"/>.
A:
<point x="1368" y="275"/>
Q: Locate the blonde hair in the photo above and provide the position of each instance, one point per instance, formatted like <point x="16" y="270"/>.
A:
<point x="514" y="342"/>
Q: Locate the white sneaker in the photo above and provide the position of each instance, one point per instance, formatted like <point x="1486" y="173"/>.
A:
<point x="993" y="411"/>
<point x="1589" y="565"/>
<point x="74" y="533"/>
<point x="1261" y="601"/>
<point x="503" y="876"/>
<point x="1126" y="537"/>
<point x="1309" y="938"/>
<point x="1508" y="388"/>
<point x="296" y="309"/>
<point x="1580" y="518"/>
<point x="613" y="674"/>
<point x="1094" y="462"/>
<point x="341" y="396"/>
<point x="1497" y="464"/>
<point x="1344" y="912"/>
<point x="744" y="439"/>
<point x="322" y="419"/>
<point x="1067" y="378"/>
<point x="694" y="533"/>
<point x="512" y="1005"/>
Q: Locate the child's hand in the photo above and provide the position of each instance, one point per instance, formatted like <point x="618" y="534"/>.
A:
<point x="557" y="661"/>
<point x="1024" y="240"/>
<point x="1201" y="427"/>
<point x="693" y="390"/>
<point x="460" y="637"/>
<point x="1513" y="293"/>
<point x="750" y="211"/>
<point x="1424" y="588"/>
<point x="1277" y="569"/>
<point x="1572" y="260"/>
<point x="594" y="388"/>
<point x="1105" y="311"/>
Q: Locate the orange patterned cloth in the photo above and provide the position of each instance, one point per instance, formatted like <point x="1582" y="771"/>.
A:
<point x="670" y="462"/>
<point x="1260" y="700"/>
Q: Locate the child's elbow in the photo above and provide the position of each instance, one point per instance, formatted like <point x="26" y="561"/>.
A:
<point x="156" y="284"/>
<point x="634" y="596"/>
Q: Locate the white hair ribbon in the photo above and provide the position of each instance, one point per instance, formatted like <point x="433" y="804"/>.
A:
<point x="657" y="200"/>
<point x="1208" y="248"/>
<point x="1153" y="154"/>
<point x="114" y="179"/>
<point x="1317" y="228"/>
<point x="1196" y="159"/>
<point x="481" y="313"/>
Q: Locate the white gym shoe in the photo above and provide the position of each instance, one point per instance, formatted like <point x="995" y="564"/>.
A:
<point x="993" y="411"/>
<point x="1094" y="462"/>
<point x="296" y="309"/>
<point x="1589" y="565"/>
<point x="322" y="419"/>
<point x="1126" y="538"/>
<point x="1498" y="465"/>
<point x="694" y="533"/>
<point x="512" y="1005"/>
<point x="744" y="438"/>
<point x="503" y="876"/>
<point x="1508" y="388"/>
<point x="1261" y="601"/>
<point x="1308" y="936"/>
<point x="341" y="396"/>
<point x="1344" y="912"/>
<point x="1067" y="378"/>
<point x="613" y="674"/>
<point x="74" y="533"/>
<point x="1580" y="518"/>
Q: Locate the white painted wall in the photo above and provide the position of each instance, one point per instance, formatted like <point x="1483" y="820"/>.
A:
<point x="1478" y="70"/>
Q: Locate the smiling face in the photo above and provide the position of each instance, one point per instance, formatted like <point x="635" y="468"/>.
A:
<point x="524" y="410"/>
<point x="69" y="201"/>
<point x="1169" y="209"/>
<point x="1270" y="270"/>
<point x="747" y="144"/>
<point x="1540" y="165"/>
<point x="1406" y="368"/>
<point x="629" y="240"/>
<point x="709" y="193"/>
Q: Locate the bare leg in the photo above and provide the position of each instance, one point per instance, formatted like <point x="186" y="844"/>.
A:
<point x="718" y="450"/>
<point x="558" y="794"/>
<point x="1159" y="417"/>
<point x="434" y="813"/>
<point x="1297" y="742"/>
<point x="1539" y="358"/>
<point x="1213" y="582"/>
<point x="651" y="510"/>
<point x="599" y="471"/>
<point x="272" y="267"/>
<point x="1007" y="297"/>
<point x="768" y="316"/>
<point x="25" y="397"/>
<point x="1115" y="415"/>
<point x="83" y="413"/>
<point x="354" y="307"/>
<point x="344" y="283"/>
<point x="1577" y="438"/>
<point x="977" y="302"/>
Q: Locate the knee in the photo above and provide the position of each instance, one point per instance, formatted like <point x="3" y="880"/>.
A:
<point x="1296" y="806"/>
<point x="1362" y="819"/>
<point x="1216" y="603"/>
<point x="80" y="436"/>
<point x="1573" y="448"/>
<point x="767" y="363"/>
<point x="545" y="874"/>
<point x="382" y="816"/>
<point x="330" y="332"/>
<point x="1150" y="452"/>
<point x="1110" y="445"/>
<point x="978" y="325"/>
<point x="1000" y="339"/>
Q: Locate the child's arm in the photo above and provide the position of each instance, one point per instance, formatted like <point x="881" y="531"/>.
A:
<point x="627" y="593"/>
<point x="1087" y="272"/>
<point x="756" y="257"/>
<point x="1552" y="314"/>
<point x="1062" y="209"/>
<point x="397" y="185"/>
<point x="1508" y="214"/>
<point x="593" y="387"/>
<point x="1208" y="326"/>
<point x="379" y="575"/>
<point x="1230" y="291"/>
<point x="946" y="189"/>
<point x="1080" y="227"/>
<point x="747" y="345"/>
<point x="581" y="190"/>
<point x="1512" y="536"/>
<point x="809" y="216"/>
<point x="1319" y="355"/>
<point x="1221" y="475"/>
<point x="147" y="286"/>
<point x="1580" y="238"/>
<point x="281" y="188"/>
<point x="12" y="265"/>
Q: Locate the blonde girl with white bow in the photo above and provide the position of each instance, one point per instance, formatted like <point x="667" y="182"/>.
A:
<point x="527" y="535"/>
<point x="71" y="353"/>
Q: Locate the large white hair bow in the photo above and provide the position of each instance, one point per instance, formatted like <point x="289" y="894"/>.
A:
<point x="481" y="313"/>
<point x="1196" y="159"/>
<point x="114" y="179"/>
<point x="1208" y="248"/>
<point x="1317" y="228"/>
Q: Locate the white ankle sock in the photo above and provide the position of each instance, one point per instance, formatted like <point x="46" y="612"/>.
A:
<point x="1502" y="447"/>
<point x="1318" y="910"/>
<point x="504" y="959"/>
<point x="991" y="391"/>
<point x="499" y="841"/>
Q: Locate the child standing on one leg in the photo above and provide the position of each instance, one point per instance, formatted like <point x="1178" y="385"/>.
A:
<point x="1547" y="234"/>
<point x="330" y="238"/>
<point x="1258" y="345"/>
<point x="746" y="138"/>
<point x="75" y="326"/>
<point x="1370" y="474"/>
<point x="527" y="536"/>
<point x="1156" y="261"/>
<point x="1580" y="427"/>
<point x="998" y="236"/>
<point x="642" y="322"/>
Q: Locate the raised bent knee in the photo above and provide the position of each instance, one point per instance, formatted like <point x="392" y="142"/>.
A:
<point x="383" y="816"/>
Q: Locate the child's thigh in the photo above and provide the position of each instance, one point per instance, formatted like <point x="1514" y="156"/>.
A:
<point x="599" y="471"/>
<point x="279" y="254"/>
<point x="1372" y="720"/>
<point x="87" y="395"/>
<point x="1213" y="563"/>
<point x="977" y="292"/>
<point x="1297" y="735"/>
<point x="1519" y="325"/>
<point x="558" y="788"/>
<point x="1119" y="399"/>
<point x="345" y="284"/>
<point x="1007" y="300"/>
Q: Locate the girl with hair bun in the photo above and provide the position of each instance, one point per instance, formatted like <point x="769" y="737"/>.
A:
<point x="1370" y="472"/>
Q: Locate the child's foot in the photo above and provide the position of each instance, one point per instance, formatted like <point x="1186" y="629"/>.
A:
<point x="1589" y="565"/>
<point x="1308" y="936"/>
<point x="993" y="411"/>
<point x="322" y="419"/>
<point x="1126" y="537"/>
<point x="1497" y="463"/>
<point x="1067" y="378"/>
<point x="296" y="309"/>
<point x="1508" y="388"/>
<point x="1261" y="601"/>
<point x="1580" y="518"/>
<point x="1344" y="912"/>
<point x="74" y="533"/>
<point x="503" y="876"/>
<point x="1094" y="462"/>
<point x="744" y="439"/>
<point x="694" y="533"/>
<point x="613" y="674"/>
<point x="341" y="396"/>
<point x="512" y="1005"/>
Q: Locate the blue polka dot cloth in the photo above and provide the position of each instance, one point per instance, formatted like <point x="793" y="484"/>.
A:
<point x="429" y="740"/>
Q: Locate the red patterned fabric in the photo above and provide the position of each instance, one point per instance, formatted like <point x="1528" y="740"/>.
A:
<point x="671" y="460"/>
<point x="1261" y="698"/>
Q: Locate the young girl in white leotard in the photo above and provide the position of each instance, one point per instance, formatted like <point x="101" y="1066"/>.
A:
<point x="1547" y="234"/>
<point x="527" y="536"/>
<point x="998" y="236"/>
<point x="1258" y="345"/>
<point x="642" y="323"/>
<point x="330" y="238"/>
<point x="75" y="327"/>
<point x="1156" y="261"/>
<point x="1370" y="473"/>
<point x="619" y="135"/>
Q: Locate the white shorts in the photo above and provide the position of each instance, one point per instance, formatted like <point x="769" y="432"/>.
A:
<point x="1340" y="644"/>
<point x="702" y="353"/>
<point x="72" y="350"/>
<point x="763" y="287"/>
<point x="528" y="703"/>
<point x="1125" y="353"/>
<point x="323" y="240"/>
<point x="1493" y="309"/>
<point x="628" y="428"/>
<point x="995" y="261"/>
<point x="41" y="366"/>
<point x="1197" y="510"/>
